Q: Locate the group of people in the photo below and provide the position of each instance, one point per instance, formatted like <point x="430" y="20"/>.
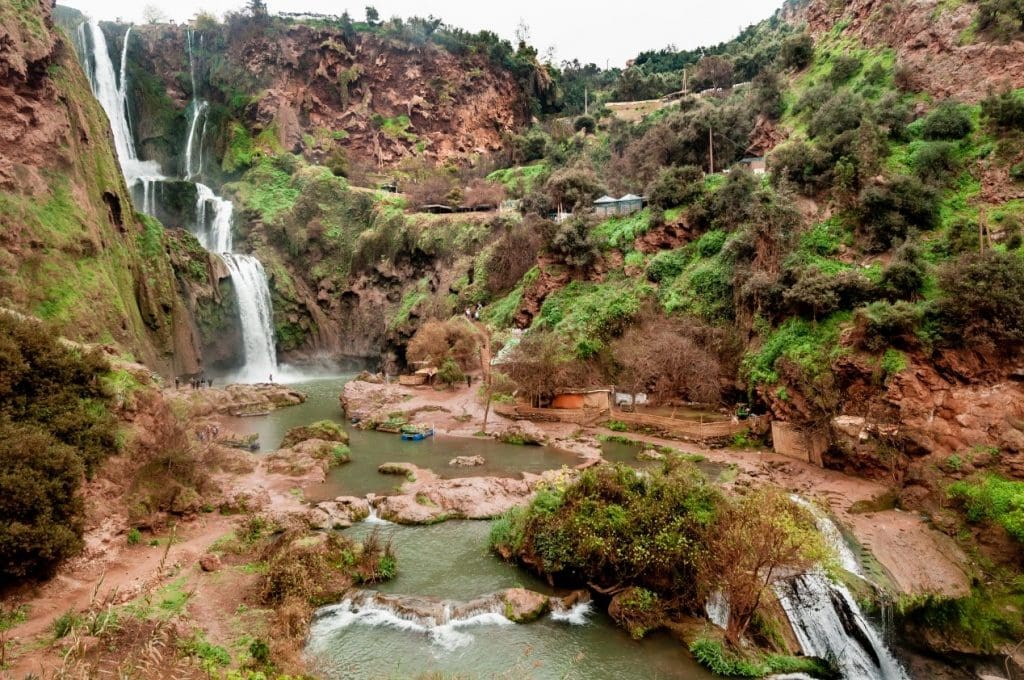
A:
<point x="195" y="383"/>
<point x="474" y="314"/>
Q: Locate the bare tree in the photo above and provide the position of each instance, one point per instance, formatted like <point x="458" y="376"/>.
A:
<point x="152" y="14"/>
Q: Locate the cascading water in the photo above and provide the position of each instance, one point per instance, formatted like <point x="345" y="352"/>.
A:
<point x="111" y="92"/>
<point x="213" y="214"/>
<point x="826" y="619"/>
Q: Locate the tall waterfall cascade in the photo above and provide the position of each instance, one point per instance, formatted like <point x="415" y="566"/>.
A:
<point x="213" y="214"/>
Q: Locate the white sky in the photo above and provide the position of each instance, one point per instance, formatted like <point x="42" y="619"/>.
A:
<point x="602" y="32"/>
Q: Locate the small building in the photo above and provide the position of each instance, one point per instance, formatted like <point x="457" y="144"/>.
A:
<point x="577" y="399"/>
<point x="756" y="164"/>
<point x="606" y="206"/>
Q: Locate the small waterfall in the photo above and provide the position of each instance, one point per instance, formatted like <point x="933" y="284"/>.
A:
<point x="717" y="608"/>
<point x="833" y="537"/>
<point x="415" y="615"/>
<point x="826" y="618"/>
<point x="575" y="615"/>
<point x="256" y="315"/>
<point x="829" y="624"/>
<point x="213" y="220"/>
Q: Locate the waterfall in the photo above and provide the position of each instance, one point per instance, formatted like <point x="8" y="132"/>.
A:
<point x="825" y="617"/>
<point x="829" y="624"/>
<point x="256" y="314"/>
<point x="111" y="91"/>
<point x="198" y="111"/>
<point x="213" y="214"/>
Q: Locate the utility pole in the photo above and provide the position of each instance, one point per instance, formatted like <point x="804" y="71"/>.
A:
<point x="586" y="100"/>
<point x="686" y="83"/>
<point x="711" y="151"/>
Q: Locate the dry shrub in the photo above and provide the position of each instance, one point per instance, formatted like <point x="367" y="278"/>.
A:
<point x="430" y="188"/>
<point x="480" y="194"/>
<point x="673" y="358"/>
<point x="544" y="362"/>
<point x="435" y="341"/>
<point x="515" y="252"/>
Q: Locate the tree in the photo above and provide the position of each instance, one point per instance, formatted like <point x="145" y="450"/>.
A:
<point x="372" y="15"/>
<point x="496" y="384"/>
<point x="981" y="299"/>
<point x="257" y="8"/>
<point x="574" y="243"/>
<point x="152" y="14"/>
<point x="797" y="52"/>
<point x="717" y="71"/>
<point x="755" y="538"/>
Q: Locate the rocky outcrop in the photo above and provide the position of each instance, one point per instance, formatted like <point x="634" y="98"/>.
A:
<point x="515" y="604"/>
<point x="467" y="461"/>
<point x="341" y="513"/>
<point x="308" y="460"/>
<point x="936" y="50"/>
<point x="237" y="400"/>
<point x="425" y="499"/>
<point x="365" y="401"/>
<point x="324" y="430"/>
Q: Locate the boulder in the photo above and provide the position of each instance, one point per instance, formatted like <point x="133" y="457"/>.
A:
<point x="209" y="562"/>
<point x="650" y="454"/>
<point x="340" y="513"/>
<point x="522" y="432"/>
<point x="524" y="606"/>
<point x="324" y="430"/>
<point x="467" y="461"/>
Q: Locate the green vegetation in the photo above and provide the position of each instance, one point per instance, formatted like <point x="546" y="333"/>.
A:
<point x="992" y="499"/>
<point x="712" y="655"/>
<point x="669" y="539"/>
<point x="55" y="426"/>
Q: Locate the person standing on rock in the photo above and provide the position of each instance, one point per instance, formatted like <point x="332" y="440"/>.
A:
<point x="271" y="377"/>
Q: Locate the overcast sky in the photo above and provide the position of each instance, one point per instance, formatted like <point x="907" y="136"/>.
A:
<point x="602" y="32"/>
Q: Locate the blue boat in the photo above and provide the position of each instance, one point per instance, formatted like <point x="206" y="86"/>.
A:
<point x="417" y="435"/>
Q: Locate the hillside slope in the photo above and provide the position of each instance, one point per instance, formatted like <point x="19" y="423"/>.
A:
<point x="72" y="249"/>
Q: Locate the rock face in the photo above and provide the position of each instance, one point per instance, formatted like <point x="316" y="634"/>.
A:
<point x="363" y="401"/>
<point x="308" y="460"/>
<point x="928" y="38"/>
<point x="309" y="84"/>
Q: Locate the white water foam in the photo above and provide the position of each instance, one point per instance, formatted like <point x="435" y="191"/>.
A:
<point x="448" y="636"/>
<point x="576" y="615"/>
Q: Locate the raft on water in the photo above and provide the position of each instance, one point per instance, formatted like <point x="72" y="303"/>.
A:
<point x="415" y="433"/>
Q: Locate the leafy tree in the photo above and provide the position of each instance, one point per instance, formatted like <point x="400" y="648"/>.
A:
<point x="1005" y="109"/>
<point x="676" y="186"/>
<point x="372" y="15"/>
<point x="257" y="8"/>
<point x="574" y="243"/>
<point x="905" y="276"/>
<point x="1004" y="19"/>
<point x="754" y="539"/>
<point x="888" y="212"/>
<point x="586" y="124"/>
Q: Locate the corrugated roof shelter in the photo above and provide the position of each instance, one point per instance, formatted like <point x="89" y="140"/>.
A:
<point x="606" y="206"/>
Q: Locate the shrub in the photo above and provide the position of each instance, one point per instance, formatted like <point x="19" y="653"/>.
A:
<point x="676" y="186"/>
<point x="905" y="276"/>
<point x="888" y="212"/>
<point x="1005" y="110"/>
<point x="585" y="124"/>
<point x="435" y="342"/>
<point x="844" y="67"/>
<point x="797" y="52"/>
<point x="134" y="536"/>
<point x="882" y="324"/>
<point x="1003" y="19"/>
<point x="981" y="299"/>
<point x="666" y="265"/>
<point x="992" y="499"/>
<point x="839" y="114"/>
<point x="949" y="120"/>
<point x="575" y="245"/>
<point x="818" y="294"/>
<point x="936" y="161"/>
<point x="802" y="164"/>
<point x="449" y="372"/>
